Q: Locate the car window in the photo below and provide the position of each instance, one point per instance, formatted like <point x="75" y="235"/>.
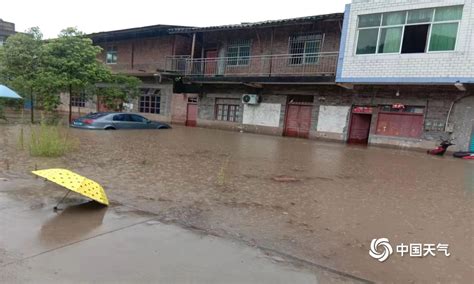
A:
<point x="120" y="117"/>
<point x="95" y="115"/>
<point x="138" y="118"/>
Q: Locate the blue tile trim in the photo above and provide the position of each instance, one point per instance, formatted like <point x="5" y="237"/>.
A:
<point x="342" y="48"/>
<point x="405" y="80"/>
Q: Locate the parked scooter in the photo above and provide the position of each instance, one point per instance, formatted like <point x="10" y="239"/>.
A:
<point x="441" y="149"/>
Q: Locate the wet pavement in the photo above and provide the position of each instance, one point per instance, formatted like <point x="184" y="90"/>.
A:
<point x="318" y="204"/>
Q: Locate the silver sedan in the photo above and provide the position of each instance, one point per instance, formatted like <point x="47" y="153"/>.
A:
<point x="116" y="120"/>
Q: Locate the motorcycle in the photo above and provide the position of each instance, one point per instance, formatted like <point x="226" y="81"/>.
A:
<point x="441" y="149"/>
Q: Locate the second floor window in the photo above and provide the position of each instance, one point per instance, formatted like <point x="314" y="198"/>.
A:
<point x="150" y="101"/>
<point x="414" y="31"/>
<point x="305" y="49"/>
<point x="238" y="53"/>
<point x="111" y="55"/>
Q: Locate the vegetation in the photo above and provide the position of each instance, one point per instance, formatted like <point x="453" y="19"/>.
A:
<point x="47" y="141"/>
<point x="40" y="70"/>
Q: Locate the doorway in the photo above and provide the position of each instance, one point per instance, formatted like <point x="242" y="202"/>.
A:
<point x="298" y="121"/>
<point x="359" y="130"/>
<point x="191" y="112"/>
<point x="210" y="66"/>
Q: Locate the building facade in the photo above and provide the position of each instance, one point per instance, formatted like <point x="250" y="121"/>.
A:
<point x="286" y="66"/>
<point x="414" y="59"/>
<point x="6" y="29"/>
<point x="139" y="52"/>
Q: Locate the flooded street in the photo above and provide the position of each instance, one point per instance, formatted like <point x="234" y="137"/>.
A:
<point x="318" y="203"/>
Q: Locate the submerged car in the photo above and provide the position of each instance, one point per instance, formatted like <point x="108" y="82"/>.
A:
<point x="116" y="120"/>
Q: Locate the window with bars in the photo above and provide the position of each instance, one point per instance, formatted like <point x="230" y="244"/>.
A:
<point x="150" y="101"/>
<point x="228" y="110"/>
<point x="111" y="55"/>
<point x="78" y="100"/>
<point x="305" y="49"/>
<point x="238" y="53"/>
<point x="413" y="31"/>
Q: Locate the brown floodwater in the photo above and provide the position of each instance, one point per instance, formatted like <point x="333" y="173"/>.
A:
<point x="319" y="202"/>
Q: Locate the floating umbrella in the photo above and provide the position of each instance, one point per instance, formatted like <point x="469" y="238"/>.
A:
<point x="6" y="92"/>
<point x="76" y="183"/>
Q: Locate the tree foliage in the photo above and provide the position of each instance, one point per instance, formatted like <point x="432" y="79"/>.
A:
<point x="43" y="69"/>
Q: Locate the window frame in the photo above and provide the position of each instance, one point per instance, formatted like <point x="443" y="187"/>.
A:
<point x="380" y="27"/>
<point x="150" y="93"/>
<point x="79" y="100"/>
<point x="112" y="49"/>
<point x="239" y="44"/>
<point x="228" y="105"/>
<point x="304" y="56"/>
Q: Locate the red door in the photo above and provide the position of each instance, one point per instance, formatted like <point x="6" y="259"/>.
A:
<point x="191" y="115"/>
<point x="210" y="67"/>
<point x="360" y="128"/>
<point x="298" y="121"/>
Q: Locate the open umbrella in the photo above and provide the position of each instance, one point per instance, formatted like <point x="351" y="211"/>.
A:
<point x="6" y="92"/>
<point x="76" y="183"/>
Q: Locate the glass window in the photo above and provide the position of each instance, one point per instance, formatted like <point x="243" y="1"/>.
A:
<point x="305" y="49"/>
<point x="367" y="43"/>
<point x="228" y="110"/>
<point x="448" y="13"/>
<point x="420" y="16"/>
<point x="443" y="37"/>
<point x="369" y="20"/>
<point x="395" y="18"/>
<point x="111" y="55"/>
<point x="138" y="118"/>
<point x="150" y="101"/>
<point x="238" y="53"/>
<point x="390" y="40"/>
<point x="78" y="100"/>
<point x="384" y="33"/>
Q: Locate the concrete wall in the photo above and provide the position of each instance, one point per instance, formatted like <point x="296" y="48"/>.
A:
<point x="463" y="119"/>
<point x="166" y="93"/>
<point x="407" y="68"/>
<point x="90" y="106"/>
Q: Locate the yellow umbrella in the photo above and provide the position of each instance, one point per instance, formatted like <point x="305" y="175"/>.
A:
<point x="76" y="183"/>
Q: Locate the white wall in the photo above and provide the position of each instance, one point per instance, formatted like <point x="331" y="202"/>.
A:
<point x="263" y="114"/>
<point x="333" y="119"/>
<point x="443" y="66"/>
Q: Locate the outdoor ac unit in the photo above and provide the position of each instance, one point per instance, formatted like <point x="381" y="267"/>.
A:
<point x="251" y="99"/>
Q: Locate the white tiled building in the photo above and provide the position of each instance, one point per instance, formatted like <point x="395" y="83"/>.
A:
<point x="368" y="25"/>
<point x="413" y="61"/>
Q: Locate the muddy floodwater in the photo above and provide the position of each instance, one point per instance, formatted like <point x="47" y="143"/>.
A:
<point x="318" y="202"/>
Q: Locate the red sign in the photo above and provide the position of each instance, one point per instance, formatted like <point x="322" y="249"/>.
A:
<point x="398" y="106"/>
<point x="360" y="109"/>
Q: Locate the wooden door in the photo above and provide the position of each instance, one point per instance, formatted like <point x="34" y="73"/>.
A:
<point x="298" y="121"/>
<point x="191" y="114"/>
<point x="210" y="66"/>
<point x="360" y="128"/>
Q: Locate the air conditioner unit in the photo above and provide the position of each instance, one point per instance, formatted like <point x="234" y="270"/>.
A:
<point x="251" y="99"/>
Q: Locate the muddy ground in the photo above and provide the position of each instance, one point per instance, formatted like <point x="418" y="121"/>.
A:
<point x="321" y="203"/>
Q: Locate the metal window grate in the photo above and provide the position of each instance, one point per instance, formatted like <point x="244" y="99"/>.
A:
<point x="150" y="101"/>
<point x="305" y="49"/>
<point x="228" y="110"/>
<point x="238" y="52"/>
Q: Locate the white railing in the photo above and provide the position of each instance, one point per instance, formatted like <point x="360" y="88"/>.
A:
<point x="315" y="64"/>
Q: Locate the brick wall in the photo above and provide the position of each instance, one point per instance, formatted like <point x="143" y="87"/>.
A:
<point x="146" y="54"/>
<point x="456" y="64"/>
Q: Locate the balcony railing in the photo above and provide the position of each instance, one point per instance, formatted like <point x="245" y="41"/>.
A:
<point x="314" y="64"/>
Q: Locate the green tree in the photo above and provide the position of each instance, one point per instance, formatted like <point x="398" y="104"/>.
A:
<point x="20" y="63"/>
<point x="73" y="63"/>
<point x="116" y="90"/>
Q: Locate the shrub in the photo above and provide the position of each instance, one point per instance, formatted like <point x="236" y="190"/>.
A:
<point x="49" y="141"/>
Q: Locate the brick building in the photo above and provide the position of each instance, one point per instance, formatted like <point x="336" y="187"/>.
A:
<point x="413" y="61"/>
<point x="287" y="66"/>
<point x="140" y="52"/>
<point x="6" y="29"/>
